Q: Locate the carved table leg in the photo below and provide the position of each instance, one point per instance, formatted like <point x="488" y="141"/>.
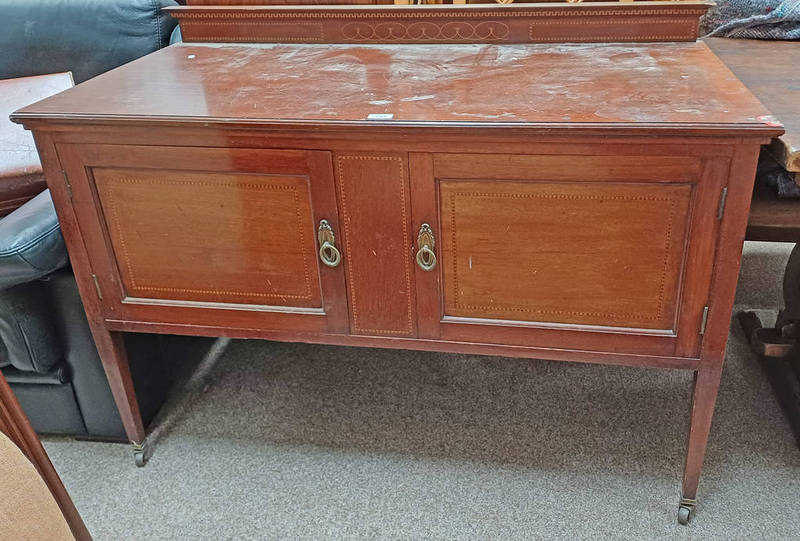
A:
<point x="706" y="385"/>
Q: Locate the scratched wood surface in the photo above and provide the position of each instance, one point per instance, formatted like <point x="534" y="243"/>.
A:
<point x="678" y="85"/>
<point x="771" y="70"/>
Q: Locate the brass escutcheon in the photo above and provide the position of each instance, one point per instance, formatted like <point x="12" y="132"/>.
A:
<point x="426" y="257"/>
<point x="328" y="252"/>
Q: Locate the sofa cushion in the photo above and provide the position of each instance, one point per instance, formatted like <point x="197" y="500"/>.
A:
<point x="86" y="37"/>
<point x="28" y="335"/>
<point x="57" y="375"/>
<point x="31" y="245"/>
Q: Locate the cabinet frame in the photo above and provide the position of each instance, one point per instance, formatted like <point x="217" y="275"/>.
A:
<point x="726" y="231"/>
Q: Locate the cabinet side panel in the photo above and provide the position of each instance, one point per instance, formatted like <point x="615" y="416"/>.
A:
<point x="373" y="196"/>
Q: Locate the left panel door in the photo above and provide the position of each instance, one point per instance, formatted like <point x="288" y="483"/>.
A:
<point x="215" y="237"/>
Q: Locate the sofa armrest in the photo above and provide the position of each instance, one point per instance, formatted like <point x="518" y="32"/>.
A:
<point x="31" y="244"/>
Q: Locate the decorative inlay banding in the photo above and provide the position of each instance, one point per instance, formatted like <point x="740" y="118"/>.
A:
<point x="534" y="26"/>
<point x="115" y="214"/>
<point x="425" y="30"/>
<point x="502" y="24"/>
<point x="409" y="329"/>
<point x="421" y="14"/>
<point x="668" y="237"/>
<point x="282" y="31"/>
<point x="633" y="20"/>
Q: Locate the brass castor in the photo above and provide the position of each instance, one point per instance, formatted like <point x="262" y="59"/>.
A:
<point x="685" y="510"/>
<point x="139" y="455"/>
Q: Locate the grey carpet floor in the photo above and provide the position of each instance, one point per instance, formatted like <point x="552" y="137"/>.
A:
<point x="293" y="441"/>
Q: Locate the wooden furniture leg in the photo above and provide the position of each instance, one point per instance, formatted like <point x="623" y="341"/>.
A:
<point x="111" y="347"/>
<point x="16" y="426"/>
<point x="706" y="385"/>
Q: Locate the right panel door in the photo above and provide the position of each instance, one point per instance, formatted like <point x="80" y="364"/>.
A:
<point x="603" y="253"/>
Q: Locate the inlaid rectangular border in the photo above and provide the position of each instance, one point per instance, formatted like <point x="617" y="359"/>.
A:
<point x="595" y="22"/>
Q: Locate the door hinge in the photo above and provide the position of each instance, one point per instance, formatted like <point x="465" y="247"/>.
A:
<point x="66" y="182"/>
<point x="722" y="199"/>
<point x="97" y="286"/>
<point x="704" y="321"/>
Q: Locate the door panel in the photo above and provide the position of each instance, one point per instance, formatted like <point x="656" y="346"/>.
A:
<point x="232" y="238"/>
<point x="210" y="230"/>
<point x="593" y="252"/>
<point x="583" y="253"/>
<point x="374" y="207"/>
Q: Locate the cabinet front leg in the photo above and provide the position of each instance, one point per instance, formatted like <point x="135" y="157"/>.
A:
<point x="706" y="385"/>
<point x="111" y="347"/>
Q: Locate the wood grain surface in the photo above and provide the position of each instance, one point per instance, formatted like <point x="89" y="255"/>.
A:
<point x="678" y="86"/>
<point x="536" y="22"/>
<point x="374" y="209"/>
<point x="770" y="71"/>
<point x="592" y="254"/>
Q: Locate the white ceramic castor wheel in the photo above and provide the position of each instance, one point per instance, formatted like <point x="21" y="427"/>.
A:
<point x="139" y="455"/>
<point x="683" y="515"/>
<point x="686" y="510"/>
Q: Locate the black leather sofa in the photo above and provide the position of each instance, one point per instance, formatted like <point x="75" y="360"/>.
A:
<point x="46" y="350"/>
<point x="86" y="37"/>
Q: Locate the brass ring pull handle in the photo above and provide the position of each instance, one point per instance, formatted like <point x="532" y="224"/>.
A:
<point x="328" y="252"/>
<point x="426" y="257"/>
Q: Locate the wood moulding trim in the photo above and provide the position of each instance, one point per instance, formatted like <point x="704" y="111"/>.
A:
<point x="224" y="306"/>
<point x="432" y="140"/>
<point x="438" y="131"/>
<point x="419" y="344"/>
<point x="530" y="23"/>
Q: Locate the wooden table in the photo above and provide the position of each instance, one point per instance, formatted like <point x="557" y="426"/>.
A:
<point x="769" y="69"/>
<point x="565" y="202"/>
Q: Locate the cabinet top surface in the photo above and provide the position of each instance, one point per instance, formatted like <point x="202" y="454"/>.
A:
<point x="559" y="86"/>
